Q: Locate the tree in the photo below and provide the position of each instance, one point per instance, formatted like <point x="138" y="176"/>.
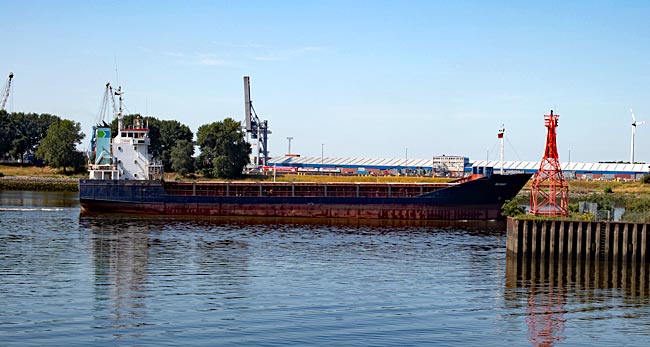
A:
<point x="171" y="133"/>
<point x="6" y="133"/>
<point x="513" y="208"/>
<point x="645" y="179"/>
<point x="224" y="152"/>
<point x="28" y="129"/>
<point x="181" y="157"/>
<point x="57" y="149"/>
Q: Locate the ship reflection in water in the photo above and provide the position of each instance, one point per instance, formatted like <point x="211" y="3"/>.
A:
<point x="120" y="261"/>
<point x="551" y="293"/>
<point x="136" y="265"/>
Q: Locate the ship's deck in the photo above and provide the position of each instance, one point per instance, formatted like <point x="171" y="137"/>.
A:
<point x="289" y="189"/>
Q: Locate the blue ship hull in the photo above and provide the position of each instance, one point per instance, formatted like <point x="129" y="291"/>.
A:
<point x="479" y="199"/>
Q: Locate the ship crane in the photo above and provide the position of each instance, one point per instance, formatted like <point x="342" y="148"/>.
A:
<point x="5" y="91"/>
<point x="100" y="139"/>
<point x="257" y="129"/>
<point x="109" y="97"/>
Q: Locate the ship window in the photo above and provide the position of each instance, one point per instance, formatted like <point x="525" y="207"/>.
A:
<point x="135" y="175"/>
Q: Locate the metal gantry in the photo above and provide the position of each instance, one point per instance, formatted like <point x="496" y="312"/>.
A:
<point x="549" y="189"/>
<point x="258" y="130"/>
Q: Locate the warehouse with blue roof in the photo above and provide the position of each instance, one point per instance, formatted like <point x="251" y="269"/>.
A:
<point x="451" y="166"/>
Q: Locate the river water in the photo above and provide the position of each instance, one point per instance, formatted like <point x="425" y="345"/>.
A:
<point x="133" y="281"/>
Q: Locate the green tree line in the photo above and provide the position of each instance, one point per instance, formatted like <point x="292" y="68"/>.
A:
<point x="21" y="133"/>
<point x="34" y="138"/>
<point x="223" y="150"/>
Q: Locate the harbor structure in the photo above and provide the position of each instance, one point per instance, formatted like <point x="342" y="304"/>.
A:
<point x="256" y="128"/>
<point x="549" y="189"/>
<point x="578" y="240"/>
<point x="4" y="95"/>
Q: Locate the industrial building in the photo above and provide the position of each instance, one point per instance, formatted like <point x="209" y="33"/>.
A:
<point x="575" y="170"/>
<point x="449" y="166"/>
<point x="356" y="166"/>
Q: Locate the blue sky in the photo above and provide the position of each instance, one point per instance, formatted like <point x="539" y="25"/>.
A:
<point x="364" y="78"/>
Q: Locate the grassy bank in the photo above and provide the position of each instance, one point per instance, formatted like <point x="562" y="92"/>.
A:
<point x="34" y="178"/>
<point x="44" y="184"/>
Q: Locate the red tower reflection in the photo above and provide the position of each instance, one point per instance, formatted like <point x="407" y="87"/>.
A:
<point x="545" y="318"/>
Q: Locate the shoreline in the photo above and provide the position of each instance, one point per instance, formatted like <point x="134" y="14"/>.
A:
<point x="44" y="184"/>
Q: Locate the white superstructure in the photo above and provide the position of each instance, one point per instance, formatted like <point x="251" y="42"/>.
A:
<point x="129" y="157"/>
<point x="131" y="154"/>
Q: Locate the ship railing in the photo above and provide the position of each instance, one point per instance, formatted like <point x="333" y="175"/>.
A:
<point x="246" y="189"/>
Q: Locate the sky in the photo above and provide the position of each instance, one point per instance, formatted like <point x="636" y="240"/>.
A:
<point x="376" y="79"/>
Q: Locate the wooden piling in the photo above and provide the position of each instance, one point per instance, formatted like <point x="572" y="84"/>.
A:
<point x="561" y="254"/>
<point x="644" y="244"/>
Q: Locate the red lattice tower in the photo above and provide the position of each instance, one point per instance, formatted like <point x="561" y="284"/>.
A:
<point x="549" y="190"/>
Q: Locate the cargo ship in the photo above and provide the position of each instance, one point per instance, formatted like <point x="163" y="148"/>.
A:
<point x="124" y="178"/>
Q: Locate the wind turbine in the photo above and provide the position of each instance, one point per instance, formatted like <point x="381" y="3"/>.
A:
<point x="634" y="124"/>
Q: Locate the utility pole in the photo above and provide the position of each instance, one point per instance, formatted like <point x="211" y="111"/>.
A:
<point x="406" y="161"/>
<point x="289" y="138"/>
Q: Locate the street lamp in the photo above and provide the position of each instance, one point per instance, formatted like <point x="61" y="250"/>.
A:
<point x="322" y="149"/>
<point x="406" y="161"/>
<point x="289" y="138"/>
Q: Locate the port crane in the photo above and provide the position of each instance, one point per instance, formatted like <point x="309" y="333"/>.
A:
<point x="5" y="92"/>
<point x="258" y="130"/>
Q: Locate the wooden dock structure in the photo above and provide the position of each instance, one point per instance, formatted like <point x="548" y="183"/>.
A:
<point x="623" y="242"/>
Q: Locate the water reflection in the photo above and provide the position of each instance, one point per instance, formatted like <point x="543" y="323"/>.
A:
<point x="11" y="198"/>
<point x="550" y="292"/>
<point x="144" y="266"/>
<point x="120" y="257"/>
<point x="488" y="225"/>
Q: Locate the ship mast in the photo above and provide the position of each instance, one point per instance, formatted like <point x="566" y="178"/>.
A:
<point x="500" y="135"/>
<point x="119" y="93"/>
